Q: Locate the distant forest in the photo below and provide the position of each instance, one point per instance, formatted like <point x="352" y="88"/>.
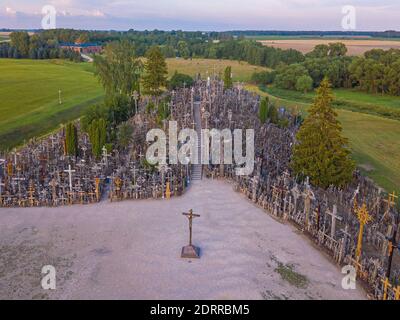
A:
<point x="223" y="34"/>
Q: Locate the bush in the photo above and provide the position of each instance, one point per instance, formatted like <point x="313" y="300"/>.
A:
<point x="263" y="77"/>
<point x="178" y="80"/>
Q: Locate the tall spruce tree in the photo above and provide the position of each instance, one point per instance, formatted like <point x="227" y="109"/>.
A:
<point x="263" y="110"/>
<point x="71" y="136"/>
<point x="98" y="136"/>
<point x="228" y="83"/>
<point x="321" y="152"/>
<point x="272" y="113"/>
<point x="156" y="71"/>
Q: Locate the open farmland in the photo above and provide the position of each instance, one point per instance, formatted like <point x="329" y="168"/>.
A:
<point x="355" y="47"/>
<point x="242" y="71"/>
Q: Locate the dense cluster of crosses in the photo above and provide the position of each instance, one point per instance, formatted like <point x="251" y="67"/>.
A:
<point x="43" y="174"/>
<point x="357" y="225"/>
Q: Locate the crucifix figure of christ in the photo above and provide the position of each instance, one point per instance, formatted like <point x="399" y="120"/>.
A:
<point x="190" y="251"/>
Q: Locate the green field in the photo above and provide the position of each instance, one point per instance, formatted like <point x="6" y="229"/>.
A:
<point x="29" y="103"/>
<point x="242" y="71"/>
<point x="352" y="100"/>
<point x="374" y="140"/>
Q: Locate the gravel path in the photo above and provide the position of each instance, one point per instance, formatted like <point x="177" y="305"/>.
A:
<point x="131" y="250"/>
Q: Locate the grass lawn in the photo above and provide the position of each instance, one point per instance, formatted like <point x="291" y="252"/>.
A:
<point x="242" y="71"/>
<point x="29" y="102"/>
<point x="352" y="100"/>
<point x="374" y="141"/>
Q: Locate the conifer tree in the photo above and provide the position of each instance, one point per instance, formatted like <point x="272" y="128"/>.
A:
<point x="263" y="110"/>
<point x="98" y="136"/>
<point x="272" y="113"/>
<point x="71" y="139"/>
<point x="321" y="152"/>
<point x="228" y="84"/>
<point x="156" y="71"/>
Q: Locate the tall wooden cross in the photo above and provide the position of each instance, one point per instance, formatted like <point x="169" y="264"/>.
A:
<point x="1" y="185"/>
<point x="19" y="179"/>
<point x="53" y="184"/>
<point x="16" y="154"/>
<point x="135" y="97"/>
<point x="334" y="217"/>
<point x="97" y="186"/>
<point x="70" y="172"/>
<point x="31" y="192"/>
<point x="105" y="155"/>
<point x="190" y="216"/>
<point x="163" y="168"/>
<point x="391" y="201"/>
<point x="364" y="218"/>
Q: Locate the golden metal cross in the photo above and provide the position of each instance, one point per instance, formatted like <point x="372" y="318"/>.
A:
<point x="386" y="285"/>
<point x="363" y="217"/>
<point x="396" y="293"/>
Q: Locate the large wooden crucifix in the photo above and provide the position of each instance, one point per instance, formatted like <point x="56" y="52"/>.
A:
<point x="190" y="251"/>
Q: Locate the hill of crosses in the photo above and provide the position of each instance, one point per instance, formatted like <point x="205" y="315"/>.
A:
<point x="351" y="226"/>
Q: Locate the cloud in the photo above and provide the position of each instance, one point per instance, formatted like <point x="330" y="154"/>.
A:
<point x="10" y="12"/>
<point x="208" y="14"/>
<point x="97" y="13"/>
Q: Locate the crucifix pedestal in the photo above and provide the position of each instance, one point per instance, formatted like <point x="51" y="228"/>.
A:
<point x="190" y="251"/>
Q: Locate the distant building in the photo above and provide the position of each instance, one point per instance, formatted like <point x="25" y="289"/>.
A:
<point x="85" y="48"/>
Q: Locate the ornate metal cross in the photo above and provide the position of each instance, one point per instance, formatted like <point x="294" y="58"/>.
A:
<point x="364" y="218"/>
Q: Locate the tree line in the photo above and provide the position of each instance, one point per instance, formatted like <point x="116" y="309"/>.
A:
<point x="377" y="71"/>
<point x="25" y="46"/>
<point x="187" y="45"/>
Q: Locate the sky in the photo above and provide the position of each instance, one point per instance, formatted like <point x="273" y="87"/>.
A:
<point x="204" y="15"/>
